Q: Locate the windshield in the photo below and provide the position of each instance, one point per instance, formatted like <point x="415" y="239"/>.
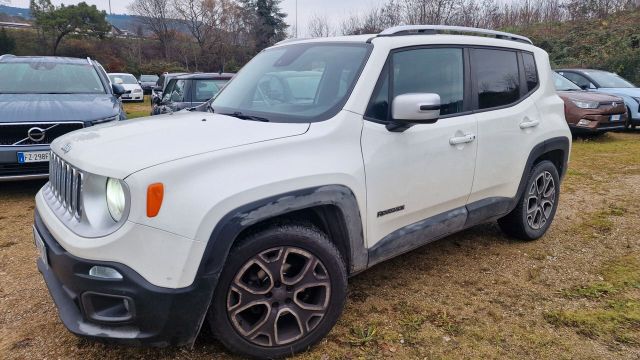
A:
<point x="149" y="78"/>
<point x="609" y="80"/>
<point x="563" y="84"/>
<point x="49" y="78"/>
<point x="295" y="83"/>
<point x="123" y="79"/>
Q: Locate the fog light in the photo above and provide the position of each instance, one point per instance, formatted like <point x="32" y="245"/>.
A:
<point x="105" y="273"/>
<point x="584" y="122"/>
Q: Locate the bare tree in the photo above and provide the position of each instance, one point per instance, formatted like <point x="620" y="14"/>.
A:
<point x="158" y="16"/>
<point x="193" y="13"/>
<point x="319" y="27"/>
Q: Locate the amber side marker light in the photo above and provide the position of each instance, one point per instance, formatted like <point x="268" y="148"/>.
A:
<point x="155" y="194"/>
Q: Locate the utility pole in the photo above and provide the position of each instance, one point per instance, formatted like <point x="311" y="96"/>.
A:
<point x="296" y="18"/>
<point x="110" y="13"/>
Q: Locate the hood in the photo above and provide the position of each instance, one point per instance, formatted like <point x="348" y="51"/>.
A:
<point x="56" y="107"/>
<point x="588" y="96"/>
<point x="129" y="87"/>
<point x="635" y="92"/>
<point x="121" y="148"/>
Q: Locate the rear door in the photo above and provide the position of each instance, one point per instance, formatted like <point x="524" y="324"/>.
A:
<point x="418" y="174"/>
<point x="508" y="124"/>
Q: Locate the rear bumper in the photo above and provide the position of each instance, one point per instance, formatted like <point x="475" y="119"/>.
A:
<point x="10" y="169"/>
<point x="129" y="310"/>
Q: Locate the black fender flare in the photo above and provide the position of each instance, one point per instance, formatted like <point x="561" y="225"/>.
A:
<point x="557" y="143"/>
<point x="231" y="225"/>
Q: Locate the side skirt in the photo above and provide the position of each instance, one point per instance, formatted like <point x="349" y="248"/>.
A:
<point x="434" y="228"/>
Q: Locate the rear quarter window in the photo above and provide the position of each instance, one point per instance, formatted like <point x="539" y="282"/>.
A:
<point x="530" y="71"/>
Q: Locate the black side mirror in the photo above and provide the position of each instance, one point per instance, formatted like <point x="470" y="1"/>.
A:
<point x="118" y="90"/>
<point x="157" y="89"/>
<point x="157" y="100"/>
<point x="584" y="86"/>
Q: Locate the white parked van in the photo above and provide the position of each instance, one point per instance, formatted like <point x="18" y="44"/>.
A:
<point x="320" y="159"/>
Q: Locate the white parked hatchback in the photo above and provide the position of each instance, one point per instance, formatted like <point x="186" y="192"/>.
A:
<point x="130" y="84"/>
<point x="319" y="160"/>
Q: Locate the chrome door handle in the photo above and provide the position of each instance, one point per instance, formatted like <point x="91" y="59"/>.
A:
<point x="529" y="124"/>
<point x="457" y="140"/>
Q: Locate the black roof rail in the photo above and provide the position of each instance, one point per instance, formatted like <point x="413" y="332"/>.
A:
<point x="438" y="29"/>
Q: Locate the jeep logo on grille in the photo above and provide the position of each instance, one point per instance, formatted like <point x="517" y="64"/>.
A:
<point x="36" y="134"/>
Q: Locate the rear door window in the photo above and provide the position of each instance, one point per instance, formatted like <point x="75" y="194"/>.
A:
<point x="207" y="89"/>
<point x="497" y="77"/>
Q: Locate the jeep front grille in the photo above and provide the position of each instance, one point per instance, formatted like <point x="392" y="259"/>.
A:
<point x="66" y="183"/>
<point x="34" y="133"/>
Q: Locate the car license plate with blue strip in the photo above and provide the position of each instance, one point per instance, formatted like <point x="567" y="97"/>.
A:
<point x="33" y="156"/>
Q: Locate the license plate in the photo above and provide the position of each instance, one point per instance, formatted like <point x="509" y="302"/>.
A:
<point x="616" y="117"/>
<point x="42" y="248"/>
<point x="33" y="156"/>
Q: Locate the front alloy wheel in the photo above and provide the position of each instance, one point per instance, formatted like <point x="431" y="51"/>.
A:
<point x="280" y="292"/>
<point x="279" y="296"/>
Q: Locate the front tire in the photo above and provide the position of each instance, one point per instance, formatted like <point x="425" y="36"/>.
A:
<point x="629" y="124"/>
<point x="537" y="206"/>
<point x="281" y="291"/>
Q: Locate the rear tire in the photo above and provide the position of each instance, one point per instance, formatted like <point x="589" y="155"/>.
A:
<point x="280" y="292"/>
<point x="537" y="205"/>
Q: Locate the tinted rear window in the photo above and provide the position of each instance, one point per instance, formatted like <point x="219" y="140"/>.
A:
<point x="49" y="78"/>
<point x="497" y="75"/>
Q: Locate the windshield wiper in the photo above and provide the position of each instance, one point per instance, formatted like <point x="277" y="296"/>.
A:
<point x="242" y="116"/>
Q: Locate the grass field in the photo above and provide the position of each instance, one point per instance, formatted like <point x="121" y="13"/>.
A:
<point x="574" y="294"/>
<point x="138" y="109"/>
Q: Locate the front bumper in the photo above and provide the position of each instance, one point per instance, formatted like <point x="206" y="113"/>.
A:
<point x="129" y="310"/>
<point x="10" y="169"/>
<point x="599" y="123"/>
<point x="133" y="97"/>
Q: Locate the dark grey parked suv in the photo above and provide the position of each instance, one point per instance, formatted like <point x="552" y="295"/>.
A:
<point x="189" y="91"/>
<point x="42" y="98"/>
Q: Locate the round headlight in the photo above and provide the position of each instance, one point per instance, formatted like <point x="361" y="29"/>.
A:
<point x="116" y="199"/>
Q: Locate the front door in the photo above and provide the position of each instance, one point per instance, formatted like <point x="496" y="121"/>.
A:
<point x="426" y="171"/>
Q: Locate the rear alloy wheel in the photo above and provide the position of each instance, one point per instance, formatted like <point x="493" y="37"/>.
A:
<point x="541" y="200"/>
<point x="536" y="208"/>
<point x="280" y="292"/>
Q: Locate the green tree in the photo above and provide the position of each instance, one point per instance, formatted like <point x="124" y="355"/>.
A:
<point x="59" y="22"/>
<point x="7" y="43"/>
<point x="266" y="20"/>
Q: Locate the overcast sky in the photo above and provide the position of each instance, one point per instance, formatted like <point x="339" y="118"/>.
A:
<point x="334" y="10"/>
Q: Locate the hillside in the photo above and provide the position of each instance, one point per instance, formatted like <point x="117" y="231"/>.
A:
<point x="610" y="44"/>
<point x="122" y="21"/>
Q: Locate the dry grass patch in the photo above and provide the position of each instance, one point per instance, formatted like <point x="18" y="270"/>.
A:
<point x="618" y="317"/>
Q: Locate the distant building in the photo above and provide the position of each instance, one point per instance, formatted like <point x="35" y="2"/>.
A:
<point x="14" y="25"/>
<point x="121" y="33"/>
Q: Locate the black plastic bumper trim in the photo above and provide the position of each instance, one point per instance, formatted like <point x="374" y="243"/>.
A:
<point x="162" y="316"/>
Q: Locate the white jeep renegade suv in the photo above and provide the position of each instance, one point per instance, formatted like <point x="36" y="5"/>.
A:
<point x="319" y="160"/>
